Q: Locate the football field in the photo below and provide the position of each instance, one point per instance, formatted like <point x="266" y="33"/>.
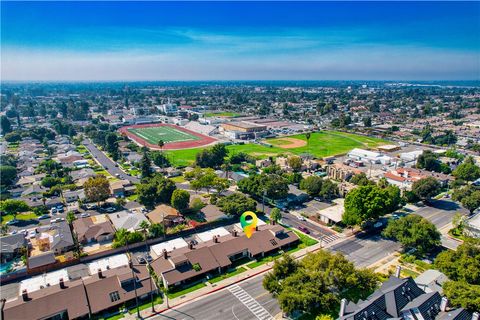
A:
<point x="168" y="134"/>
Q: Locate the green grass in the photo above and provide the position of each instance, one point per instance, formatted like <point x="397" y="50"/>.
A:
<point x="20" y="216"/>
<point x="178" y="179"/>
<point x="304" y="239"/>
<point x="132" y="197"/>
<point x="264" y="260"/>
<point x="175" y="294"/>
<point x="168" y="134"/>
<point x="147" y="304"/>
<point x="115" y="317"/>
<point x="222" y="114"/>
<point x="227" y="275"/>
<point x="321" y="144"/>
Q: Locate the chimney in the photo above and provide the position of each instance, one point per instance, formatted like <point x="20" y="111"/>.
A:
<point x="475" y="316"/>
<point x="215" y="239"/>
<point x="273" y="222"/>
<point x="190" y="245"/>
<point x="343" y="305"/>
<point x="99" y="271"/>
<point x="444" y="304"/>
<point x="25" y="295"/>
<point x="62" y="283"/>
<point x="235" y="233"/>
<point x="165" y="254"/>
<point x="256" y="228"/>
<point x="398" y="271"/>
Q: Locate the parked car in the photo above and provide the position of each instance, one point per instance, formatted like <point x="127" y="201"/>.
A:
<point x="85" y="215"/>
<point x="303" y="229"/>
<point x="32" y="233"/>
<point x="110" y="209"/>
<point x="60" y="208"/>
<point x="12" y="222"/>
<point x="148" y="258"/>
<point x="141" y="260"/>
<point x="301" y="218"/>
<point x="53" y="210"/>
<point x="44" y="216"/>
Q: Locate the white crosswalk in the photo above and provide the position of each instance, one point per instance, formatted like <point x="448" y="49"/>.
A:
<point x="250" y="303"/>
<point x="330" y="238"/>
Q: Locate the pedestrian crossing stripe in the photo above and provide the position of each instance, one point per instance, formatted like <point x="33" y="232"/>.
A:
<point x="258" y="311"/>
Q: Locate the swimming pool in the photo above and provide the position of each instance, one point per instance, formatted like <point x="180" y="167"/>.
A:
<point x="4" y="267"/>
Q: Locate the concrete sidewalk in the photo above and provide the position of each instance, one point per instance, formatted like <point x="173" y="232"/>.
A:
<point x="211" y="288"/>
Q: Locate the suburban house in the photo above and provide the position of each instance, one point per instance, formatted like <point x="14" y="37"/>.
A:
<point x="11" y="245"/>
<point x="431" y="280"/>
<point x="83" y="297"/>
<point x="127" y="220"/>
<point x="400" y="298"/>
<point x="196" y="261"/>
<point x="472" y="226"/>
<point x="57" y="238"/>
<point x="121" y="188"/>
<point x="93" y="229"/>
<point x="41" y="260"/>
<point x="75" y="195"/>
<point x="162" y="213"/>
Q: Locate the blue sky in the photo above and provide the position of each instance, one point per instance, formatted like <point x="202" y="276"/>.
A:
<point x="240" y="40"/>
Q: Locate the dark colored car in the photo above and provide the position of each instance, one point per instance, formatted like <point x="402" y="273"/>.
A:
<point x="303" y="229"/>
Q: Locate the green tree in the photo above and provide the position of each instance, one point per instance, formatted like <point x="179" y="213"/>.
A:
<point x="312" y="185"/>
<point x="329" y="190"/>
<point x="361" y="180"/>
<point x="462" y="267"/>
<point x="276" y="215"/>
<point x="146" y="165"/>
<point x="157" y="189"/>
<point x="428" y="160"/>
<point x="413" y="232"/>
<point x="70" y="217"/>
<point x="367" y="122"/>
<point x="426" y="188"/>
<point x="111" y="145"/>
<point x="12" y="206"/>
<point x="275" y="186"/>
<point x="472" y="201"/>
<point x="97" y="189"/>
<point x="317" y="283"/>
<point x="144" y="225"/>
<point x="13" y="137"/>
<point x="49" y="181"/>
<point x="155" y="230"/>
<point x="180" y="199"/>
<point x="467" y="170"/>
<point x="365" y="203"/>
<point x="5" y="125"/>
<point x="295" y="163"/>
<point x="8" y="174"/>
<point x="236" y="204"/>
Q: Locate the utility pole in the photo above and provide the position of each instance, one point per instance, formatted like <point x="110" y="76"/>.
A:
<point x="130" y="264"/>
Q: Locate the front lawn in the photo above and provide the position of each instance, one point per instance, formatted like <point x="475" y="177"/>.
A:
<point x="227" y="275"/>
<point x="174" y="293"/>
<point x="148" y="304"/>
<point x="20" y="216"/>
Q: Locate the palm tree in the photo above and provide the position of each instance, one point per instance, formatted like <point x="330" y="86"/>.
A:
<point x="227" y="167"/>
<point x="161" y="144"/>
<point x="144" y="226"/>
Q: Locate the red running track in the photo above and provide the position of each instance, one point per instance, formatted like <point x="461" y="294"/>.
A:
<point x="204" y="140"/>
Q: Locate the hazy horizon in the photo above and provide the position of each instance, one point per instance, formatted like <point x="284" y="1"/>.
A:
<point x="237" y="41"/>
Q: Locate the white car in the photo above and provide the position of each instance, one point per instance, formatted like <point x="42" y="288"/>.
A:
<point x="301" y="218"/>
<point x="32" y="233"/>
<point x="85" y="215"/>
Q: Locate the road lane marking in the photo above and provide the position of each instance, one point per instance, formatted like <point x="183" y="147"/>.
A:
<point x="246" y="299"/>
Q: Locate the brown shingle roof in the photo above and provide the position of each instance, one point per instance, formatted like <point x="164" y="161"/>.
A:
<point x="86" y="229"/>
<point x="49" y="301"/>
<point x="163" y="211"/>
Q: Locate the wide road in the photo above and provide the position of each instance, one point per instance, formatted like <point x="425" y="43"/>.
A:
<point x="108" y="163"/>
<point x="320" y="233"/>
<point x="245" y="301"/>
<point x="364" y="250"/>
<point x="441" y="212"/>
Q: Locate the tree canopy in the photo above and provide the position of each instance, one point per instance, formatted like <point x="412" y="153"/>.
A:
<point x="467" y="170"/>
<point x="236" y="204"/>
<point x="180" y="199"/>
<point x="275" y="186"/>
<point x="317" y="283"/>
<point x="413" y="232"/>
<point x="426" y="188"/>
<point x="212" y="157"/>
<point x="157" y="189"/>
<point x="462" y="267"/>
<point x="97" y="189"/>
<point x="369" y="202"/>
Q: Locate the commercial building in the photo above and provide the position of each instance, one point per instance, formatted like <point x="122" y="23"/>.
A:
<point x="405" y="177"/>
<point x="369" y="156"/>
<point x="243" y="130"/>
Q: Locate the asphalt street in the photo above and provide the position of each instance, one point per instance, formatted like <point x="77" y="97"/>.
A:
<point x="245" y="301"/>
<point x="365" y="250"/>
<point x="324" y="234"/>
<point x="107" y="163"/>
<point x="441" y="212"/>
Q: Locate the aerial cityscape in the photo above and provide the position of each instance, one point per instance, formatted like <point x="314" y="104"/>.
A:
<point x="240" y="160"/>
